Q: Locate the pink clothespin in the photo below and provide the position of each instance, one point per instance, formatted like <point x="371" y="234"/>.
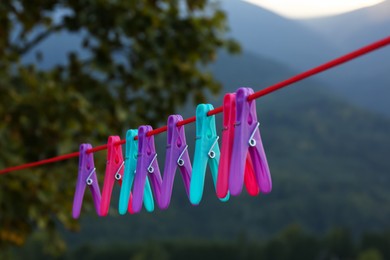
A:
<point x="86" y="177"/>
<point x="229" y="119"/>
<point x="114" y="172"/>
<point x="247" y="139"/>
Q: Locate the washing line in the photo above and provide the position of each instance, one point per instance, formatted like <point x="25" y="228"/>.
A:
<point x="309" y="73"/>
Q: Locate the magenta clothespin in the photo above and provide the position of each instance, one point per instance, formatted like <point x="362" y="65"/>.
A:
<point x="86" y="177"/>
<point x="114" y="172"/>
<point x="147" y="166"/>
<point x="247" y="139"/>
<point x="176" y="157"/>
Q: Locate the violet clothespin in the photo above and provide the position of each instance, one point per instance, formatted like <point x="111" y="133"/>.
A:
<point x="86" y="177"/>
<point x="206" y="153"/>
<point x="126" y="198"/>
<point x="229" y="119"/>
<point x="147" y="166"/>
<point x="176" y="157"/>
<point x="114" y="172"/>
<point x="247" y="139"/>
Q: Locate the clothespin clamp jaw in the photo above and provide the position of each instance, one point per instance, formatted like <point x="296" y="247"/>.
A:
<point x="131" y="156"/>
<point x="247" y="138"/>
<point x="228" y="123"/>
<point x="206" y="152"/>
<point x="114" y="172"/>
<point x="147" y="166"/>
<point x="86" y="177"/>
<point x="176" y="157"/>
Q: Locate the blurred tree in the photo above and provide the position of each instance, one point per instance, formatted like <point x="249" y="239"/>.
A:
<point x="370" y="254"/>
<point x="339" y="244"/>
<point x="145" y="58"/>
<point x="292" y="243"/>
<point x="376" y="240"/>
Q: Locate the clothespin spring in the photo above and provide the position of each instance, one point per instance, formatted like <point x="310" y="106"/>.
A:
<point x="180" y="161"/>
<point x="252" y="141"/>
<point x="117" y="175"/>
<point x="150" y="167"/>
<point x="211" y="153"/>
<point x="89" y="181"/>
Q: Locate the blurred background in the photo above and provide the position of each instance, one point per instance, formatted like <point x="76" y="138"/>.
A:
<point x="77" y="71"/>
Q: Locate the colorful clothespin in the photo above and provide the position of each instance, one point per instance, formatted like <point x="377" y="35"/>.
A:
<point x="86" y="177"/>
<point x="247" y="139"/>
<point x="147" y="165"/>
<point x="114" y="172"/>
<point x="176" y="157"/>
<point x="206" y="152"/>
<point x="229" y="119"/>
<point x="129" y="174"/>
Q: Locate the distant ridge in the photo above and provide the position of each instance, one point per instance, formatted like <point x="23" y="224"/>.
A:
<point x="355" y="28"/>
<point x="268" y="34"/>
<point x="366" y="81"/>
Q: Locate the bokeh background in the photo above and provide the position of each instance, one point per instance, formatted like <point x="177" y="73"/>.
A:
<point x="73" y="72"/>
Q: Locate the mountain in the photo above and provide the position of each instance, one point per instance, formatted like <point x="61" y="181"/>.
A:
<point x="328" y="159"/>
<point x="356" y="28"/>
<point x="270" y="35"/>
<point x="365" y="81"/>
<point x="300" y="45"/>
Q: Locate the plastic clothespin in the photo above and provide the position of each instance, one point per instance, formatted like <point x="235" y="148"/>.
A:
<point x="147" y="165"/>
<point x="247" y="139"/>
<point x="176" y="157"/>
<point x="206" y="152"/>
<point x="229" y="119"/>
<point x="86" y="177"/>
<point x="129" y="174"/>
<point x="114" y="172"/>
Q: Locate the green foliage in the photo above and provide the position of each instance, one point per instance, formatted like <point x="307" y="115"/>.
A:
<point x="143" y="60"/>
<point x="290" y="244"/>
<point x="370" y="254"/>
<point x="328" y="162"/>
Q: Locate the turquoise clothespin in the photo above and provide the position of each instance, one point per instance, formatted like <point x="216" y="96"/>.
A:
<point x="129" y="174"/>
<point x="206" y="152"/>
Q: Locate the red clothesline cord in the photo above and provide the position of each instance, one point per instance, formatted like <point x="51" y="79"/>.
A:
<point x="328" y="65"/>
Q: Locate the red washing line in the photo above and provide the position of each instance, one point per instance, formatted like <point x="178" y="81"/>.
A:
<point x="328" y="65"/>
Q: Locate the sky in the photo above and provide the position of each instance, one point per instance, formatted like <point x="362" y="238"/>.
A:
<point x="301" y="9"/>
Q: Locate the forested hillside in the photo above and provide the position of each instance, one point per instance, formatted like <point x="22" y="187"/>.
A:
<point x="329" y="163"/>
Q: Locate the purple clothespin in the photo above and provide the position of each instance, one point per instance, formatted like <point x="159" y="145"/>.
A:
<point x="86" y="176"/>
<point x="176" y="156"/>
<point x="247" y="139"/>
<point x="147" y="165"/>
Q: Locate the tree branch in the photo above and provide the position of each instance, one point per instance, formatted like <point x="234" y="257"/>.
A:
<point x="28" y="46"/>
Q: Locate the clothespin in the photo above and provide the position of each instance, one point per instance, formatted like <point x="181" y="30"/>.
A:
<point x="86" y="177"/>
<point x="114" y="172"/>
<point x="176" y="157"/>
<point x="229" y="119"/>
<point x="147" y="165"/>
<point x="247" y="139"/>
<point x="129" y="174"/>
<point x="206" y="152"/>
